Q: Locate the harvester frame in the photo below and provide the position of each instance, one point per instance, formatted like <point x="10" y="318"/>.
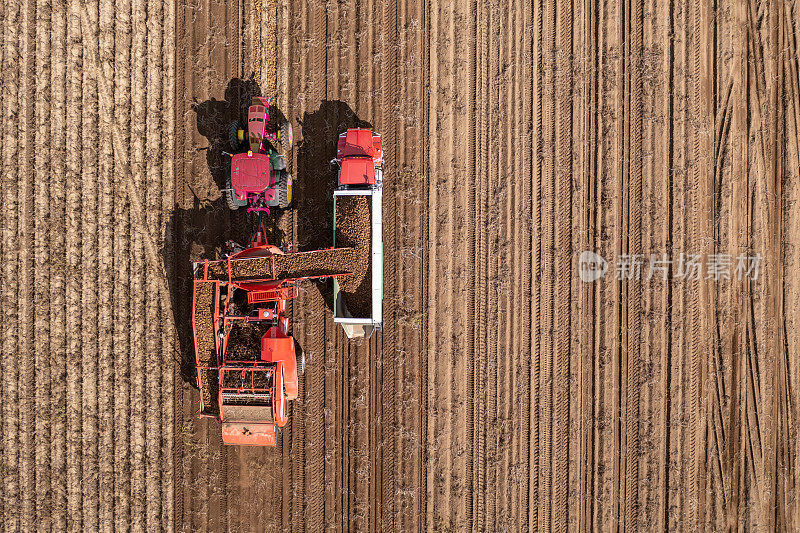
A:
<point x="248" y="396"/>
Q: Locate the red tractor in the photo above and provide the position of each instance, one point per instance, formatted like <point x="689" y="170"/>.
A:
<point x="259" y="179"/>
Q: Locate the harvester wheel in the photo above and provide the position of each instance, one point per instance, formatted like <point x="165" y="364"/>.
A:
<point x="301" y="363"/>
<point x="286" y="136"/>
<point x="233" y="133"/>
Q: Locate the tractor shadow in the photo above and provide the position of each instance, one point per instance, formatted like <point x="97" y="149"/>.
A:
<point x="200" y="232"/>
<point x="316" y="177"/>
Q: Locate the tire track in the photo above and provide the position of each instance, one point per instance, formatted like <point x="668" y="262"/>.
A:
<point x="506" y="196"/>
<point x="480" y="259"/>
<point x="524" y="331"/>
<point x="562" y="319"/>
<point x="633" y="290"/>
<point x="698" y="177"/>
<point x="493" y="272"/>
<point x="57" y="314"/>
<point x="537" y="172"/>
<point x="10" y="245"/>
<point x="41" y="276"/>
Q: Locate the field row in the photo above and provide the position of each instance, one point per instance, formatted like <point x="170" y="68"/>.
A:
<point x="87" y="166"/>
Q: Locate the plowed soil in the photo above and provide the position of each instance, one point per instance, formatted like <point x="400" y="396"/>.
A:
<point x="503" y="393"/>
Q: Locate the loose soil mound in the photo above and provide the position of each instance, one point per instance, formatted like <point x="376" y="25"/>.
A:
<point x="353" y="219"/>
<point x="290" y="266"/>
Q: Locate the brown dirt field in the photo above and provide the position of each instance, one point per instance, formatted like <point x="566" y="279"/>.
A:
<point x="86" y="95"/>
<point x="503" y="393"/>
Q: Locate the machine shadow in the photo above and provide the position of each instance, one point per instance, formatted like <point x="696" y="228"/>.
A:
<point x="201" y="231"/>
<point x="316" y="177"/>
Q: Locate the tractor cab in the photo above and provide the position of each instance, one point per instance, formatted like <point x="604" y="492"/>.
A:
<point x="251" y="173"/>
<point x="359" y="154"/>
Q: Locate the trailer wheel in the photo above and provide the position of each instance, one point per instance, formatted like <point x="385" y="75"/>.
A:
<point x="301" y="363"/>
<point x="233" y="136"/>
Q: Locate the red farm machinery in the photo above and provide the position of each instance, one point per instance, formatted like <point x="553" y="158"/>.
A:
<point x="258" y="179"/>
<point x="246" y="358"/>
<point x="359" y="154"/>
<point x="247" y="364"/>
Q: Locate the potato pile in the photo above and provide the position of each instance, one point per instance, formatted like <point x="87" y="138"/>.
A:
<point x="206" y="345"/>
<point x="290" y="266"/>
<point x="353" y="219"/>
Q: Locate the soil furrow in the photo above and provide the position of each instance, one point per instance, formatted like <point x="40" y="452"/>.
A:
<point x="58" y="272"/>
<point x="88" y="269"/>
<point x="122" y="272"/>
<point x="139" y="338"/>
<point x="10" y="84"/>
<point x="105" y="252"/>
<point x="433" y="427"/>
<point x="156" y="321"/>
<point x="496" y="259"/>
<point x="74" y="238"/>
<point x="26" y="294"/>
<point x="41" y="263"/>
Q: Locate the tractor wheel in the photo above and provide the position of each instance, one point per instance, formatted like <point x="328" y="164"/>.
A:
<point x="230" y="196"/>
<point x="283" y="190"/>
<point x="286" y="136"/>
<point x="301" y="363"/>
<point x="233" y="136"/>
